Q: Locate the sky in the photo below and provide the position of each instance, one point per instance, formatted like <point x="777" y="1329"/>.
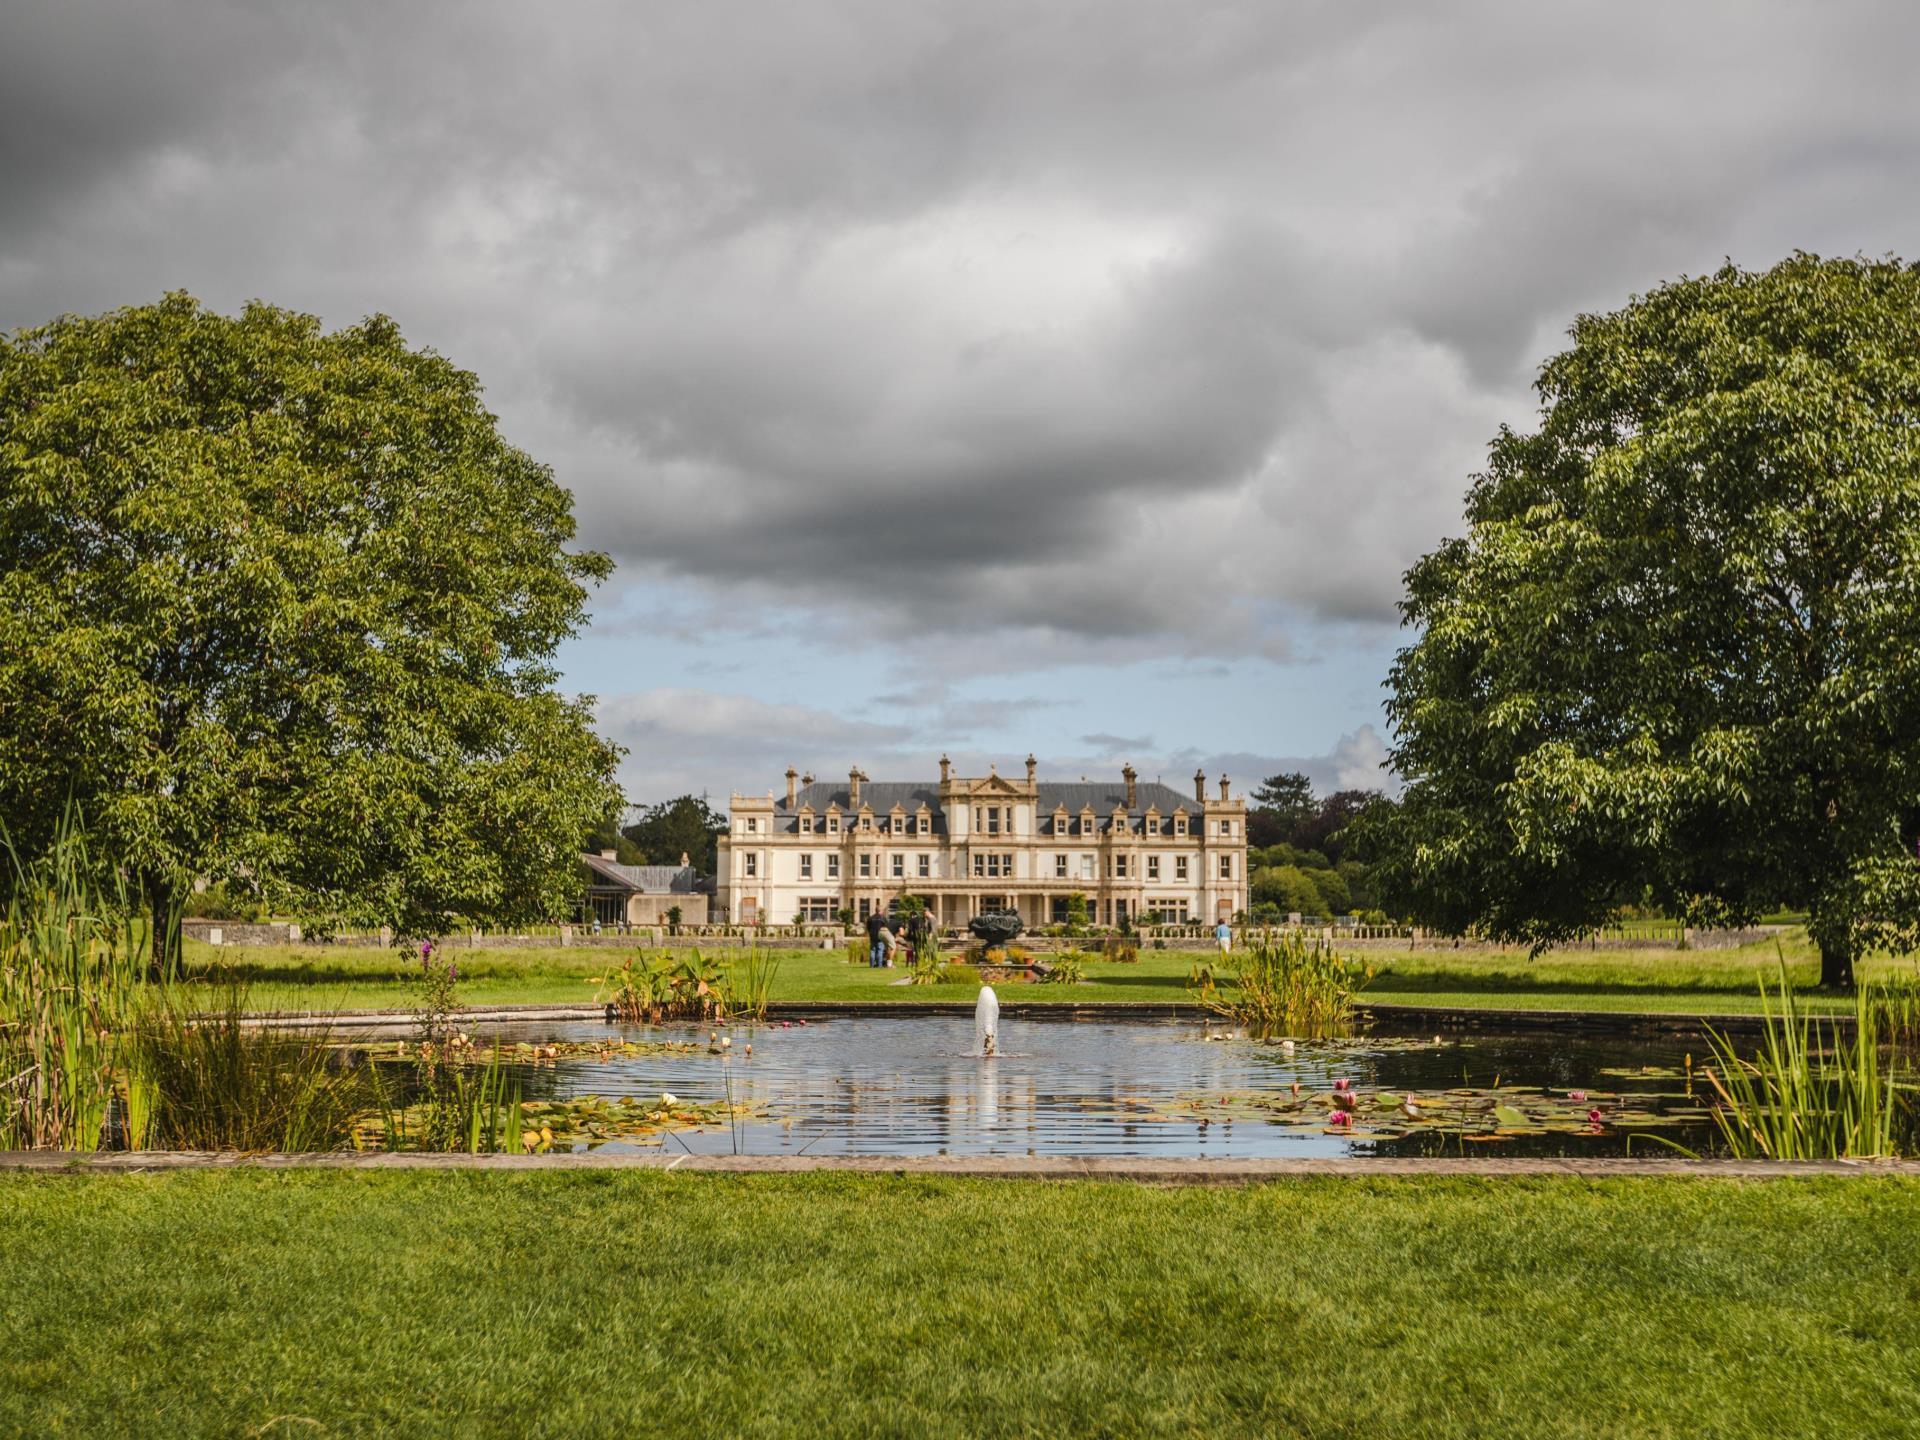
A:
<point x="975" y="377"/>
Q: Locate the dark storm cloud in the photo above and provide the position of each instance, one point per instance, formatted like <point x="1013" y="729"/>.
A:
<point x="1071" y="330"/>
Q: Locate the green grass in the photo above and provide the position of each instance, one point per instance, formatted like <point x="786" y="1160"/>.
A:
<point x="624" y="1303"/>
<point x="1675" y="981"/>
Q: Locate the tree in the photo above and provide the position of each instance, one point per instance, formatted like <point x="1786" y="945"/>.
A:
<point x="1678" y="650"/>
<point x="683" y="826"/>
<point x="1326" y="829"/>
<point x="280" y="605"/>
<point x="605" y="835"/>
<point x="1282" y="804"/>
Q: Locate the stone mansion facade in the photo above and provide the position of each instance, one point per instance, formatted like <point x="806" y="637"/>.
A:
<point x="968" y="845"/>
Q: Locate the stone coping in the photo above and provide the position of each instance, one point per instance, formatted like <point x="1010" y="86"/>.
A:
<point x="1615" y="1023"/>
<point x="1175" y="1171"/>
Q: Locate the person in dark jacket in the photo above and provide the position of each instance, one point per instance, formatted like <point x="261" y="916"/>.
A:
<point x="876" y="947"/>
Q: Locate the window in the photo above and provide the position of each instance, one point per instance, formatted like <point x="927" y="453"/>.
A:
<point x="1226" y="827"/>
<point x="925" y="824"/>
<point x="1179" y="824"/>
<point x="866" y="908"/>
<point x="752" y="825"/>
<point x="833" y="824"/>
<point x="1119" y="912"/>
<point x="993" y="866"/>
<point x="866" y="867"/>
<point x="866" y="823"/>
<point x="1120" y="867"/>
<point x="1060" y="867"/>
<point x="926" y="867"/>
<point x="1179" y="867"/>
<point x="1226" y="867"/>
<point x="993" y="820"/>
<point x="1086" y="867"/>
<point x="753" y="863"/>
<point x="1059" y="904"/>
<point x="816" y="907"/>
<point x="1153" y="867"/>
<point x="806" y="824"/>
<point x="806" y="867"/>
<point x="899" y="824"/>
<point x="899" y="866"/>
<point x="833" y="867"/>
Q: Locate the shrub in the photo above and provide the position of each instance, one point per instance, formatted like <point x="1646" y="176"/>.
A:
<point x="1121" y="949"/>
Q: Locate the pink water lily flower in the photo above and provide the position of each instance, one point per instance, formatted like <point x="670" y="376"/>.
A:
<point x="1593" y="1117"/>
<point x="1576" y="1095"/>
<point x="1342" y="1083"/>
<point x="1340" y="1117"/>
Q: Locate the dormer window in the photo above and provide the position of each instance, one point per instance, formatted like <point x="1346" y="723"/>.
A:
<point x="923" y="822"/>
<point x="1180" y="824"/>
<point x="833" y="824"/>
<point x="806" y="824"/>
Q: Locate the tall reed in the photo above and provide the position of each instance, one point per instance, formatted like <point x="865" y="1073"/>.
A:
<point x="1811" y="1093"/>
<point x="749" y="983"/>
<point x="1286" y="985"/>
<point x="218" y="1083"/>
<point x="71" y="978"/>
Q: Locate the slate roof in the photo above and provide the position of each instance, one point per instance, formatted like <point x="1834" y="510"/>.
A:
<point x="910" y="795"/>
<point x="647" y="879"/>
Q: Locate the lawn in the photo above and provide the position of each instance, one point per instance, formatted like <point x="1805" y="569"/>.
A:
<point x="1665" y="980"/>
<point x="625" y="1303"/>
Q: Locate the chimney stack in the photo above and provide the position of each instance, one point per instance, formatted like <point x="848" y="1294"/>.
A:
<point x="1129" y="774"/>
<point x="1223" y="787"/>
<point x="793" y="777"/>
<point x="946" y="769"/>
<point x="1032" y="767"/>
<point x="1200" y="786"/>
<point x="853" y="788"/>
<point x="807" y="779"/>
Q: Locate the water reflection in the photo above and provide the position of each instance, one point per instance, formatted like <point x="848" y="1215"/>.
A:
<point x="911" y="1086"/>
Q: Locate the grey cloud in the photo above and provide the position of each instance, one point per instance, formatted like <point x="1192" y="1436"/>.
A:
<point x="1052" y="333"/>
<point x="696" y="741"/>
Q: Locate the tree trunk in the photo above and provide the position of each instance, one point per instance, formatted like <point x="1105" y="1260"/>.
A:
<point x="1836" y="966"/>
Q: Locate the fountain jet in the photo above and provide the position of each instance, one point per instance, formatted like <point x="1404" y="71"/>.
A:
<point x="986" y="1021"/>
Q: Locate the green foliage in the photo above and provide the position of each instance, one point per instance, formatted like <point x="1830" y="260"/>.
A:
<point x="1077" y="915"/>
<point x="283" y="604"/>
<point x="71" y="981"/>
<point x="683" y="826"/>
<point x="1288" y="888"/>
<point x="1121" y="949"/>
<point x="217" y="1083"/>
<point x="1285" y="985"/>
<point x="1678" y="649"/>
<point x="1812" y="1092"/>
<point x="749" y="981"/>
<point x="1069" y="968"/>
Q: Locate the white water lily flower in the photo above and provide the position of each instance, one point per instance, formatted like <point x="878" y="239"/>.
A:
<point x="667" y="1097"/>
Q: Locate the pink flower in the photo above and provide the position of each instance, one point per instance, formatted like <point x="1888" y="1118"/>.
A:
<point x="1593" y="1117"/>
<point x="1576" y="1095"/>
<point x="1340" y="1117"/>
<point x="1342" y="1083"/>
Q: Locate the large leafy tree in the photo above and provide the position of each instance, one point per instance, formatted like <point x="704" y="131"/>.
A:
<point x="1281" y="804"/>
<point x="685" y="825"/>
<point x="1678" y="648"/>
<point x="279" y="605"/>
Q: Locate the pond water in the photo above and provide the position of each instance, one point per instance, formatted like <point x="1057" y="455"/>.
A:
<point x="917" y="1086"/>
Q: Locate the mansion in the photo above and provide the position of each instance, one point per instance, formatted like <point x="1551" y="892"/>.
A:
<point x="969" y="845"/>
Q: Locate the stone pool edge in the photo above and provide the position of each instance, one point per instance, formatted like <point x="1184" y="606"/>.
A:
<point x="1618" y="1023"/>
<point x="1174" y="1171"/>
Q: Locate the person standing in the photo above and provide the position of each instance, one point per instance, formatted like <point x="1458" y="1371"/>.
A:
<point x="876" y="949"/>
<point x="1223" y="932"/>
